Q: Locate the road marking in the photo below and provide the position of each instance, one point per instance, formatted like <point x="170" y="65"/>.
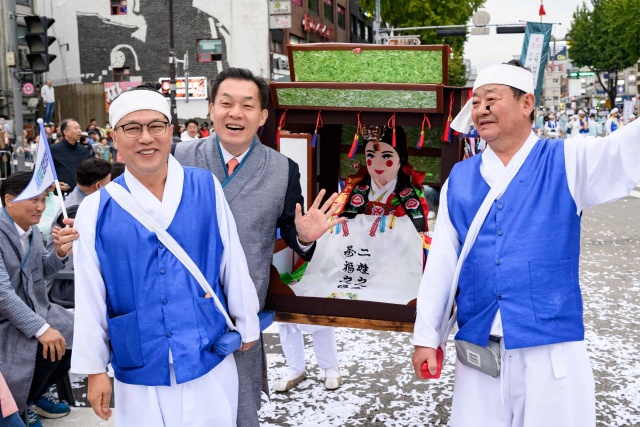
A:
<point x="635" y="192"/>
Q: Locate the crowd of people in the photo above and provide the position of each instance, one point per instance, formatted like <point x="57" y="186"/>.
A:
<point x="163" y="290"/>
<point x="563" y="125"/>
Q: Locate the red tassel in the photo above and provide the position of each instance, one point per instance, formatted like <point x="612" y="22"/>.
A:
<point x="280" y="126"/>
<point x="354" y="144"/>
<point x="446" y="134"/>
<point x="392" y="124"/>
<point x="541" y="11"/>
<point x="421" y="139"/>
<point x="319" y="124"/>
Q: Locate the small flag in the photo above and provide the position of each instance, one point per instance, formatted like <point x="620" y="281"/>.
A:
<point x="44" y="174"/>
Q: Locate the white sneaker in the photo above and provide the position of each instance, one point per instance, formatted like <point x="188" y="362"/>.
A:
<point x="431" y="215"/>
<point x="285" y="384"/>
<point x="332" y="378"/>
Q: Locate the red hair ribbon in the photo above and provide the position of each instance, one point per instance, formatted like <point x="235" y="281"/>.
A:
<point x="448" y="133"/>
<point x="280" y="126"/>
<point x="319" y="124"/>
<point x="421" y="139"/>
<point x="392" y="124"/>
<point x="354" y="144"/>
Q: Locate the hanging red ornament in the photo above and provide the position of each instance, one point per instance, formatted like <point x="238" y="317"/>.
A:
<point x="354" y="144"/>
<point x="421" y="139"/>
<point x="319" y="124"/>
<point x="448" y="132"/>
<point x="280" y="126"/>
<point x="392" y="124"/>
<point x="541" y="11"/>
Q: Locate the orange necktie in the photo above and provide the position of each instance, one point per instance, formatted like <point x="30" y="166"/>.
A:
<point x="231" y="165"/>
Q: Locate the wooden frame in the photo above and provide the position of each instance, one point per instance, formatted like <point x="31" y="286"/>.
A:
<point x="310" y="164"/>
<point x="392" y="88"/>
<point x="301" y="119"/>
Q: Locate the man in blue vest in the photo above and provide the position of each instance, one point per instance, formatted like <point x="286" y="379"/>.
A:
<point x="517" y="290"/>
<point x="139" y="307"/>
<point x="613" y="122"/>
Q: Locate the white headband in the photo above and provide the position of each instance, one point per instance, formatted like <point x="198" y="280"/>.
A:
<point x="135" y="100"/>
<point x="499" y="74"/>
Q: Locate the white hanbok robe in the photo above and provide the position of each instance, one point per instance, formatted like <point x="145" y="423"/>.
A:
<point x="208" y="400"/>
<point x="548" y="385"/>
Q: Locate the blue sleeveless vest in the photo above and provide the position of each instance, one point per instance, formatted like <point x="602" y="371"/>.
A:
<point x="525" y="259"/>
<point x="153" y="303"/>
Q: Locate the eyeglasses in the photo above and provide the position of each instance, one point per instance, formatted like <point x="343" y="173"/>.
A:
<point x="134" y="130"/>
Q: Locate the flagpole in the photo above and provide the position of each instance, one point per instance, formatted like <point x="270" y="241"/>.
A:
<point x="43" y="140"/>
<point x="64" y="208"/>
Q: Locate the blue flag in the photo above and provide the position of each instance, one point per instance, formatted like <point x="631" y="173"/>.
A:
<point x="535" y="52"/>
<point x="44" y="174"/>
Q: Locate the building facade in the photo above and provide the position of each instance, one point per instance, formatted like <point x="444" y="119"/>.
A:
<point x="119" y="41"/>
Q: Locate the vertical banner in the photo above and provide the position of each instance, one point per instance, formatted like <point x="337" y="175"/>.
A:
<point x="535" y="52"/>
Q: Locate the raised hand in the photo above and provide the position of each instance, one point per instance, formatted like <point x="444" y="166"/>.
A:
<point x="312" y="225"/>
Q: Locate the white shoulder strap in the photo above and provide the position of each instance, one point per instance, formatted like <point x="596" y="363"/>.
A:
<point x="126" y="201"/>
<point x="494" y="194"/>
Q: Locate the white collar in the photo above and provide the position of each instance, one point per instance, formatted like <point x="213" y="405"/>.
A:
<point x="382" y="191"/>
<point x="493" y="170"/>
<point x="163" y="212"/>
<point x="226" y="156"/>
<point x="21" y="232"/>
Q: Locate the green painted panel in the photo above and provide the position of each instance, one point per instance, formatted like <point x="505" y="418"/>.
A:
<point x="352" y="98"/>
<point x="369" y="66"/>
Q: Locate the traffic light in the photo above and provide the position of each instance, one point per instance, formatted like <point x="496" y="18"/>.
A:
<point x="451" y="31"/>
<point x="510" y="29"/>
<point x="39" y="41"/>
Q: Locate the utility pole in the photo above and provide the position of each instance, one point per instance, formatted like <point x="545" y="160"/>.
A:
<point x="376" y="25"/>
<point x="172" y="73"/>
<point x="17" y="94"/>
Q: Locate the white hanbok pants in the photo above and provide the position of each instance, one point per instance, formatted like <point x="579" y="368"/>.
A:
<point x="545" y="386"/>
<point x="324" y="345"/>
<point x="211" y="400"/>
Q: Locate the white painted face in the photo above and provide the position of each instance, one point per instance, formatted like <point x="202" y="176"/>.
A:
<point x="383" y="162"/>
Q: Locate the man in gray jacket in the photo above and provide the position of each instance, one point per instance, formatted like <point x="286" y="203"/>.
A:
<point x="35" y="333"/>
<point x="262" y="187"/>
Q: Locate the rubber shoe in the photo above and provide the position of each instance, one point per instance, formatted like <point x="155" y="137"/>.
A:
<point x="50" y="407"/>
<point x="32" y="418"/>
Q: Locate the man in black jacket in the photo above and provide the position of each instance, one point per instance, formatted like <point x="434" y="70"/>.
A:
<point x="68" y="154"/>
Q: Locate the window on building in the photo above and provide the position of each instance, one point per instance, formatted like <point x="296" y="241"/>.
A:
<point x="328" y="10"/>
<point x="341" y="16"/>
<point x="24" y="2"/>
<point x="122" y="74"/>
<point x="313" y="6"/>
<point x="555" y="80"/>
<point x="118" y="7"/>
<point x="293" y="39"/>
<point x="276" y="47"/>
<point x="22" y="31"/>
<point x="209" y="50"/>
<point x="354" y="25"/>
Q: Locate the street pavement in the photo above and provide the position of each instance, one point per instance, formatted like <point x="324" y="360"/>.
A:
<point x="380" y="389"/>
